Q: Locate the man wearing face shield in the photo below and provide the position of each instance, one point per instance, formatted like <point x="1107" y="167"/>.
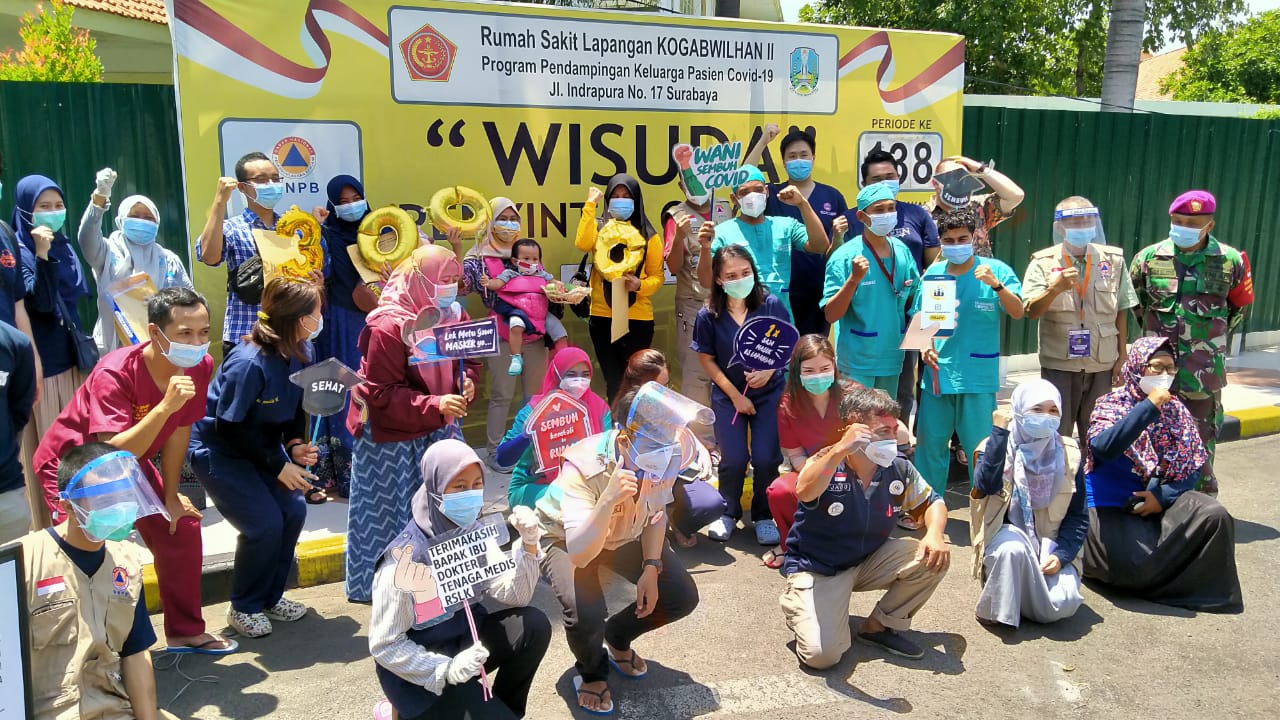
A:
<point x="849" y="496"/>
<point x="88" y="623"/>
<point x="607" y="509"/>
<point x="1193" y="290"/>
<point x="957" y="182"/>
<point x="1080" y="292"/>
<point x="769" y="238"/>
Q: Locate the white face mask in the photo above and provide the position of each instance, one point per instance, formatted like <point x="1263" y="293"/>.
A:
<point x="576" y="386"/>
<point x="1151" y="382"/>
<point x="881" y="452"/>
<point x="753" y="204"/>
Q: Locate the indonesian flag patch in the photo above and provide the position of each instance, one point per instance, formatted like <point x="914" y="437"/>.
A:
<point x="50" y="585"/>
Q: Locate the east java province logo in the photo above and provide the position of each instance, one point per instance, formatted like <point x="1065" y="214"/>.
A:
<point x="428" y="55"/>
<point x="804" y="71"/>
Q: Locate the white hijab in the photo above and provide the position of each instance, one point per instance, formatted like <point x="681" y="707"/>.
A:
<point x="149" y="259"/>
<point x="1035" y="464"/>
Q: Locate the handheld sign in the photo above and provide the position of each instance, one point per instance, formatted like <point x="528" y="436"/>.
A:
<point x="420" y="336"/>
<point x="938" y="303"/>
<point x="325" y="386"/>
<point x="556" y="423"/>
<point x="764" y="343"/>
<point x="129" y="306"/>
<point x="478" y="338"/>
<point x="919" y="335"/>
<point x="703" y="171"/>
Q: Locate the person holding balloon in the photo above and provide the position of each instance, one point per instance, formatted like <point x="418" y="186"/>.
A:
<point x="745" y="401"/>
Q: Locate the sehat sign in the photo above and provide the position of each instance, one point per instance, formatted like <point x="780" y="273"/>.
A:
<point x="325" y="386"/>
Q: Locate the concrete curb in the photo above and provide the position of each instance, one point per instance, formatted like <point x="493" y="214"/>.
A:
<point x="1251" y="422"/>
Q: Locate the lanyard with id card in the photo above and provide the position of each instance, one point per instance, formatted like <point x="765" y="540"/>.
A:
<point x="1080" y="340"/>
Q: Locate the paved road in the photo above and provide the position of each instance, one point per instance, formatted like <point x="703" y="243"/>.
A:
<point x="731" y="658"/>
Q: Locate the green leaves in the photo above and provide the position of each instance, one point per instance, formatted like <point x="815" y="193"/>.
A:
<point x="52" y="50"/>
<point x="1237" y="64"/>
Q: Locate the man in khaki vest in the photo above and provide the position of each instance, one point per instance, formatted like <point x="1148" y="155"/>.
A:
<point x="1080" y="291"/>
<point x="88" y="618"/>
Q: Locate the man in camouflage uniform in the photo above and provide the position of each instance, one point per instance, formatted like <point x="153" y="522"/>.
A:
<point x="1193" y="289"/>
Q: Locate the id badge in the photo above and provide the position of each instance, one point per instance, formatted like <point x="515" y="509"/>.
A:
<point x="1079" y="343"/>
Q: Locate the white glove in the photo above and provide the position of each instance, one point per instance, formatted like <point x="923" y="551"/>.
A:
<point x="106" y="179"/>
<point x="525" y="521"/>
<point x="466" y="664"/>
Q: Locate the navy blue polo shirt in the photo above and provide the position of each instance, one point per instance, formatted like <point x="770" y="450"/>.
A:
<point x="12" y="288"/>
<point x="252" y="389"/>
<point x="714" y="336"/>
<point x="807" y="269"/>
<point x="916" y="229"/>
<point x="17" y="393"/>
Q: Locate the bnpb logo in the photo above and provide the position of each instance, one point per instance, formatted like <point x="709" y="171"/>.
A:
<point x="428" y="55"/>
<point x="295" y="157"/>
<point x="804" y="71"/>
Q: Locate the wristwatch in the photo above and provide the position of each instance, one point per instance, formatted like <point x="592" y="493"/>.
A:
<point x="652" y="563"/>
<point x="997" y="289"/>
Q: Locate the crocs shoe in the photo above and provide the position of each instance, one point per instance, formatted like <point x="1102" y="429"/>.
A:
<point x="382" y="710"/>
<point x="250" y="625"/>
<point x="517" y="365"/>
<point x="720" y="530"/>
<point x="767" y="532"/>
<point x="286" y="611"/>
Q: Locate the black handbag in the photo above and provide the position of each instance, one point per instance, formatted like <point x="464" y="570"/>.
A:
<point x="85" y="348"/>
<point x="246" y="281"/>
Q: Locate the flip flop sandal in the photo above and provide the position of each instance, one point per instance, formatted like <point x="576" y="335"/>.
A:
<point x="630" y="663"/>
<point x="204" y="649"/>
<point x="316" y="496"/>
<point x="772" y="560"/>
<point x="577" y="688"/>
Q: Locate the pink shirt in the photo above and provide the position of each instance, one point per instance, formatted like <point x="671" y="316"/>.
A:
<point x="117" y="395"/>
<point x="803" y="427"/>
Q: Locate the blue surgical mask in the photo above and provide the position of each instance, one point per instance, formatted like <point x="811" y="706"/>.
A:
<point x="462" y="507"/>
<point x="739" y="289"/>
<point x="446" y="293"/>
<point x="352" y="211"/>
<point x="818" y="383"/>
<point x="893" y="185"/>
<point x="268" y="194"/>
<point x="184" y="355"/>
<point x="799" y="169"/>
<point x="1039" y="425"/>
<point x="1080" y="237"/>
<point x="621" y="208"/>
<point x="52" y="219"/>
<point x="139" y="231"/>
<point x="883" y="223"/>
<point x="112" y="523"/>
<point x="1184" y="237"/>
<point x="319" y="328"/>
<point x="957" y="254"/>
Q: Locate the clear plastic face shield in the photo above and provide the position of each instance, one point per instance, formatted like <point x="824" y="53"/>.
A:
<point x="1078" y="226"/>
<point x="661" y="443"/>
<point x="109" y="494"/>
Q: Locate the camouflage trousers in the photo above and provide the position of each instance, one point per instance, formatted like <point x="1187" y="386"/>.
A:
<point x="1206" y="408"/>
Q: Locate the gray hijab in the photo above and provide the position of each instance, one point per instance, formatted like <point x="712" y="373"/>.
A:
<point x="440" y="464"/>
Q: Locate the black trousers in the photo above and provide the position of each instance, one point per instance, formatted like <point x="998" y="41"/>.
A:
<point x="516" y="639"/>
<point x="613" y="356"/>
<point x="586" y="616"/>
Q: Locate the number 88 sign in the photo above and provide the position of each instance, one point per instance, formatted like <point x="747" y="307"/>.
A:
<point x="914" y="155"/>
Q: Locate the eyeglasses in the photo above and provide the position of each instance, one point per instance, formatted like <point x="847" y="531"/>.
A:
<point x="1161" y="368"/>
<point x="261" y="179"/>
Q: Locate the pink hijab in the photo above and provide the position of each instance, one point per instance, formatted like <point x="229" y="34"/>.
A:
<point x="563" y="360"/>
<point x="412" y="286"/>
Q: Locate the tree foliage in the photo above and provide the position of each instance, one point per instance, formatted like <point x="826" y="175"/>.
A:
<point x="1050" y="47"/>
<point x="52" y="50"/>
<point x="1238" y="64"/>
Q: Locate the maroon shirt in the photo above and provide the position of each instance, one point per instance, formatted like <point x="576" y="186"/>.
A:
<point x="398" y="401"/>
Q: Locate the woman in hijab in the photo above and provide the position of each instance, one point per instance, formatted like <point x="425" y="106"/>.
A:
<point x="627" y="258"/>
<point x="1029" y="512"/>
<point x="402" y="406"/>
<point x="1151" y="534"/>
<point x="570" y="372"/>
<point x="426" y="659"/>
<point x="129" y="251"/>
<point x="503" y="233"/>
<point x="52" y="272"/>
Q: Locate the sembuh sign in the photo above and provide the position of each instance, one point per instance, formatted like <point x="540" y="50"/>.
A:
<point x="556" y="423"/>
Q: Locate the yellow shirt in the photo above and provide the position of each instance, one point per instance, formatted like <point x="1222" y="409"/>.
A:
<point x="650" y="271"/>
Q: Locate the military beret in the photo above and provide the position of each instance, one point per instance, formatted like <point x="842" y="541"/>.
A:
<point x="1194" y="202"/>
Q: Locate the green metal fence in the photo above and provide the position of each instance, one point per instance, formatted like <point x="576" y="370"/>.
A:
<point x="1132" y="166"/>
<point x="69" y="131"/>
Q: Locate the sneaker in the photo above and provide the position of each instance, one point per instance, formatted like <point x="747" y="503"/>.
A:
<point x="767" y="533"/>
<point x="491" y="462"/>
<point x="892" y="642"/>
<point x="720" y="530"/>
<point x="517" y="365"/>
<point x="250" y="625"/>
<point x="286" y="611"/>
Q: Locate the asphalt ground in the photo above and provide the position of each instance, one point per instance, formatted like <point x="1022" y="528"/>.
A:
<point x="1117" y="657"/>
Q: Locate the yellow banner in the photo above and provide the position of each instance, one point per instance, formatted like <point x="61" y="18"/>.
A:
<point x="538" y="103"/>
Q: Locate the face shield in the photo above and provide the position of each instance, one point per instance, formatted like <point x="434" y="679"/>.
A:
<point x="661" y="443"/>
<point x="1078" y="226"/>
<point x="109" y="494"/>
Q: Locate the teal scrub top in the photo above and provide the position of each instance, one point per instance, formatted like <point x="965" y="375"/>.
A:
<point x="969" y="360"/>
<point x="870" y="331"/>
<point x="770" y="244"/>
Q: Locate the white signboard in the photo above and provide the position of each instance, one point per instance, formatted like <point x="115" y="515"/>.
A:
<point x="15" y="677"/>
<point x="467" y="560"/>
<point x="307" y="154"/>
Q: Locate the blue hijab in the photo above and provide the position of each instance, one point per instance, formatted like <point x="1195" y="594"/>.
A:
<point x="71" y="279"/>
<point x="339" y="235"/>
